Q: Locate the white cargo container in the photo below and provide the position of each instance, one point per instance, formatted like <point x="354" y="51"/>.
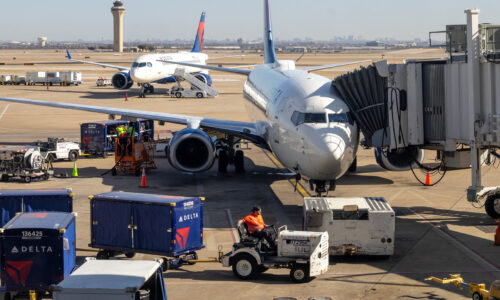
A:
<point x="356" y="226"/>
<point x="5" y="79"/>
<point x="53" y="78"/>
<point x="69" y="78"/>
<point x="33" y="78"/>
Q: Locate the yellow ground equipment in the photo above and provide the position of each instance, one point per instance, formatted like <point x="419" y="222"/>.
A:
<point x="132" y="155"/>
<point x="477" y="290"/>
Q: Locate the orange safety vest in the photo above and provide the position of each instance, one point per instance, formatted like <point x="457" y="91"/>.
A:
<point x="254" y="222"/>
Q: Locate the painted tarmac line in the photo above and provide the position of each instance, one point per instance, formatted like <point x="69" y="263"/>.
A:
<point x="230" y="223"/>
<point x="297" y="185"/>
<point x="4" y="110"/>
<point x="472" y="253"/>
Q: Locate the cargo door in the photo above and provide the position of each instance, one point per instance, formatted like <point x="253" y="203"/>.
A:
<point x="188" y="227"/>
<point x="110" y="224"/>
<point x="153" y="227"/>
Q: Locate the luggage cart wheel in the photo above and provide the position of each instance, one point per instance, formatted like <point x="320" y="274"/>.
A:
<point x="113" y="171"/>
<point x="166" y="264"/>
<point x="192" y="256"/>
<point x="129" y="254"/>
<point x="102" y="255"/>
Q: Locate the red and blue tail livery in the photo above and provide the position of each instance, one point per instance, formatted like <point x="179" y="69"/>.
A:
<point x="198" y="42"/>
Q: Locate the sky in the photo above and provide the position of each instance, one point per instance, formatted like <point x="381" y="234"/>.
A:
<point x="91" y="20"/>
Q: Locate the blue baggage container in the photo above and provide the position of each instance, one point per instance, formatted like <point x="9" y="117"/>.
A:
<point x="145" y="223"/>
<point x="38" y="250"/>
<point x="14" y="201"/>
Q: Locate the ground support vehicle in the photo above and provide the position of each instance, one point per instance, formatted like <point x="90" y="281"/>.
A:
<point x="57" y="149"/>
<point x="356" y="226"/>
<point x="131" y="156"/>
<point x="19" y="201"/>
<point x="180" y="92"/>
<point x="304" y="253"/>
<point x="101" y="81"/>
<point x="38" y="250"/>
<point x="68" y="78"/>
<point x="477" y="290"/>
<point x="32" y="78"/>
<point x="98" y="138"/>
<point x="6" y="79"/>
<point x="114" y="280"/>
<point x="129" y="223"/>
<point x="26" y="163"/>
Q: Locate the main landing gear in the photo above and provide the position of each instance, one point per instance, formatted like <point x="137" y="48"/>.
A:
<point x="229" y="153"/>
<point x="145" y="88"/>
<point x="321" y="187"/>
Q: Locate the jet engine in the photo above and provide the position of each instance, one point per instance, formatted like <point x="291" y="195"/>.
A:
<point x="399" y="159"/>
<point x="191" y="150"/>
<point x="122" y="81"/>
<point x="204" y="77"/>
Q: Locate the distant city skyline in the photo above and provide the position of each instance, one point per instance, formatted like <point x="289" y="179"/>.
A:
<point x="91" y="20"/>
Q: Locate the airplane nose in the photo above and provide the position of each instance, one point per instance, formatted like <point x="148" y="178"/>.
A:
<point x="330" y="152"/>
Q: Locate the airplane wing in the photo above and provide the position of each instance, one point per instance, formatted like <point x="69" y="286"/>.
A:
<point x="252" y="132"/>
<point x="121" y="68"/>
<point x="316" y="68"/>
<point x="230" y="70"/>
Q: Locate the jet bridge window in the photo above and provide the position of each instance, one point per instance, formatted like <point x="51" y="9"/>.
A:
<point x="311" y="118"/>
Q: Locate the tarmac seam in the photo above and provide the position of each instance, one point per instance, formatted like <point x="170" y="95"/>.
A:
<point x="4" y="110"/>
<point x="472" y="253"/>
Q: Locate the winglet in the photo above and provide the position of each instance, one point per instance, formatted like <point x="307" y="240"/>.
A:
<point x="198" y="41"/>
<point x="269" y="54"/>
<point x="69" y="55"/>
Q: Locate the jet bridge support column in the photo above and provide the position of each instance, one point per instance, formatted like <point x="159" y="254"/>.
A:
<point x="474" y="96"/>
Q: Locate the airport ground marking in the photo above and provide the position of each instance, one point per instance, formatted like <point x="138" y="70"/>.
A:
<point x="300" y="188"/>
<point x="4" y="110"/>
<point x="231" y="224"/>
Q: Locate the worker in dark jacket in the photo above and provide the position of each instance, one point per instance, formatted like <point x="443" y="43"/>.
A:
<point x="257" y="227"/>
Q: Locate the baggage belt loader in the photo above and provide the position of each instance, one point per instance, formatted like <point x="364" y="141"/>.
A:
<point x="304" y="253"/>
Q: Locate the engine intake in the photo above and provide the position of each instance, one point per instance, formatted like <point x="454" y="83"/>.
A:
<point x="191" y="150"/>
<point x="399" y="159"/>
<point x="122" y="81"/>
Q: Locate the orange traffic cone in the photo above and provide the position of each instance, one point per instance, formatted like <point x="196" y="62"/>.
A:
<point x="126" y="96"/>
<point x="497" y="234"/>
<point x="427" y="178"/>
<point x="143" y="178"/>
<point x="47" y="86"/>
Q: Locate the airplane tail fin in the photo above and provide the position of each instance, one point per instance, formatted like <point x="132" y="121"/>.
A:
<point x="198" y="42"/>
<point x="269" y="53"/>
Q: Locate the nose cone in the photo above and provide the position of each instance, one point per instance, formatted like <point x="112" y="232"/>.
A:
<point x="135" y="74"/>
<point x="330" y="155"/>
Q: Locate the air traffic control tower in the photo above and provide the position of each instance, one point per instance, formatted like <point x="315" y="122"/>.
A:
<point x="118" y="10"/>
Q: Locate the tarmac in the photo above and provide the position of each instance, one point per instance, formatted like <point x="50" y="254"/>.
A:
<point x="437" y="231"/>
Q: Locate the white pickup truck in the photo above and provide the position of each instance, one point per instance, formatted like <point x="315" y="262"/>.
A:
<point x="57" y="149"/>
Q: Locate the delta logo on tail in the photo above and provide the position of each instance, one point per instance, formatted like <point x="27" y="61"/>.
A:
<point x="198" y="42"/>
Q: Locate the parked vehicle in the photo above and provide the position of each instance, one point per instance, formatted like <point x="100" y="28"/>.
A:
<point x="58" y="149"/>
<point x="23" y="162"/>
<point x="69" y="78"/>
<point x="103" y="81"/>
<point x="33" y="78"/>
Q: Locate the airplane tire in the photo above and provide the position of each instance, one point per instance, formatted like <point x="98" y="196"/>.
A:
<point x="492" y="206"/>
<point x="353" y="166"/>
<point x="199" y="95"/>
<point x="222" y="161"/>
<point x="239" y="161"/>
<point x="178" y="94"/>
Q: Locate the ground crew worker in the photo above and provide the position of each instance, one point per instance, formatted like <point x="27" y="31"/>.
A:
<point x="121" y="131"/>
<point x="131" y="131"/>
<point x="257" y="227"/>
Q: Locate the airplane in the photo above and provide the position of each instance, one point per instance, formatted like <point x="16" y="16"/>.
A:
<point x="295" y="113"/>
<point x="147" y="69"/>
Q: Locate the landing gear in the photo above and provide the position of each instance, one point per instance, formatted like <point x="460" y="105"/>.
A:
<point x="321" y="187"/>
<point x="229" y="153"/>
<point x="239" y="162"/>
<point x="223" y="160"/>
<point x="145" y="88"/>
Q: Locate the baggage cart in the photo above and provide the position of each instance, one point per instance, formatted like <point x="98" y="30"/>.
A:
<point x="357" y="226"/>
<point x="15" y="201"/>
<point x="129" y="223"/>
<point x="38" y="250"/>
<point x="114" y="280"/>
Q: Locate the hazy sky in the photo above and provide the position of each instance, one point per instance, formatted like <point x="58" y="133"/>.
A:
<point x="171" y="19"/>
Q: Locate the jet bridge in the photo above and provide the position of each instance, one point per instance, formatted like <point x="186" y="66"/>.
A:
<point x="450" y="105"/>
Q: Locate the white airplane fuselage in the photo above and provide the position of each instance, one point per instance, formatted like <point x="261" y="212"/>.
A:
<point x="147" y="68"/>
<point x="305" y="121"/>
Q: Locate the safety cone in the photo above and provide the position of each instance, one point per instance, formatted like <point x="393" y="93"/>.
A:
<point x="75" y="170"/>
<point x="47" y="86"/>
<point x="497" y="234"/>
<point x="427" y="178"/>
<point x="126" y="96"/>
<point x="143" y="178"/>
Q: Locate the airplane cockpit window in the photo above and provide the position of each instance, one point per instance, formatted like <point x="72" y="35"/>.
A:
<point x="135" y="65"/>
<point x="149" y="64"/>
<point x="310" y="118"/>
<point x="338" y="118"/>
<point x="143" y="64"/>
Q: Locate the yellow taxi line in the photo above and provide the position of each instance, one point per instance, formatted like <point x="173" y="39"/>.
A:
<point x="292" y="181"/>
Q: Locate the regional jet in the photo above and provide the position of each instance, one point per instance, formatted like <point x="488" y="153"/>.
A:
<point x="296" y="114"/>
<point x="147" y="69"/>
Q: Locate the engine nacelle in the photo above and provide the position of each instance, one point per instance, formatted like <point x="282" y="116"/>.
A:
<point x="191" y="150"/>
<point x="400" y="159"/>
<point x="204" y="77"/>
<point x="122" y="81"/>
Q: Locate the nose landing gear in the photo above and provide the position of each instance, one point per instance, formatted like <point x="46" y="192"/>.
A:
<point x="322" y="187"/>
<point x="145" y="88"/>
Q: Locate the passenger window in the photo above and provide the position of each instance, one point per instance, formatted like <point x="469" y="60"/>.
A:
<point x="149" y="64"/>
